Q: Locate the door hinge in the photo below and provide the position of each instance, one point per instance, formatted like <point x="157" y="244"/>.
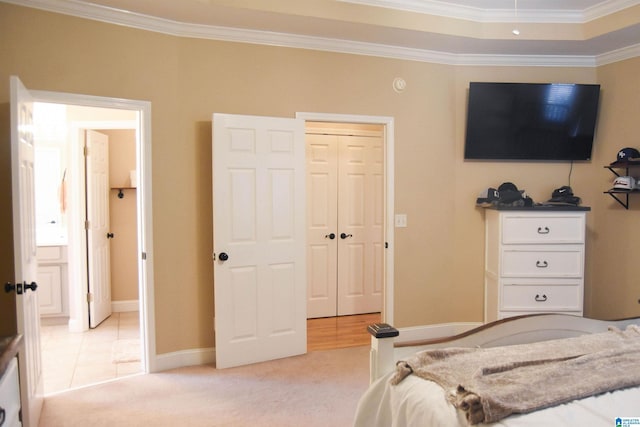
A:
<point x="86" y="151"/>
<point x="144" y="256"/>
<point x="89" y="297"/>
<point x="386" y="245"/>
<point x="86" y="224"/>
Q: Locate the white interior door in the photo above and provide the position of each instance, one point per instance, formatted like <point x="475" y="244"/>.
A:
<point x="24" y="236"/>
<point x="98" y="255"/>
<point x="322" y="225"/>
<point x="360" y="224"/>
<point x="345" y="200"/>
<point x="258" y="238"/>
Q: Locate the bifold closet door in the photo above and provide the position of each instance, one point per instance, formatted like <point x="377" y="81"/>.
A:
<point x="360" y="224"/>
<point x="345" y="224"/>
<point x="322" y="224"/>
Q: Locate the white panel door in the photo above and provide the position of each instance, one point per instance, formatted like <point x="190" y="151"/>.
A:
<point x="345" y="217"/>
<point x="98" y="237"/>
<point x="322" y="225"/>
<point x="26" y="263"/>
<point x="258" y="238"/>
<point x="360" y="224"/>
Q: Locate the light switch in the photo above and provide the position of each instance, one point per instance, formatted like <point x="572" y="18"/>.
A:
<point x="401" y="220"/>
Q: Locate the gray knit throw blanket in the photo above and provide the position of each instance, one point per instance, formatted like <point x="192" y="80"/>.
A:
<point x="489" y="384"/>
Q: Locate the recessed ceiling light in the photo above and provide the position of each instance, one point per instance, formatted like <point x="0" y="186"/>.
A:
<point x="516" y="31"/>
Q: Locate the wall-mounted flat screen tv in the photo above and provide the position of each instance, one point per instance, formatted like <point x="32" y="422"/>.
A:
<point x="531" y="121"/>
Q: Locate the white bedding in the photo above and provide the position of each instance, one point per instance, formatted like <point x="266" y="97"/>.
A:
<point x="418" y="403"/>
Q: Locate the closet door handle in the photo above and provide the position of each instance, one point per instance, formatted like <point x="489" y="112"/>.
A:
<point x="543" y="230"/>
<point x="344" y="235"/>
<point x="109" y="235"/>
<point x="330" y="236"/>
<point x="542" y="264"/>
<point x="33" y="286"/>
<point x="542" y="298"/>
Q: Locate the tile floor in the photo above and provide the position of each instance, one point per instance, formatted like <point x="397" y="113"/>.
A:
<point x="71" y="360"/>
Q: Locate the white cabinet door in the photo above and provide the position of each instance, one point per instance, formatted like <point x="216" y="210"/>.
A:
<point x="259" y="224"/>
<point x="50" y="289"/>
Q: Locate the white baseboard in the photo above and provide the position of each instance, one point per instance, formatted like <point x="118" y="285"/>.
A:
<point x="179" y="359"/>
<point x="127" y="305"/>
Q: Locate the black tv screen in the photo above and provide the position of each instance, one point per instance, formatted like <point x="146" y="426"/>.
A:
<point x="531" y="121"/>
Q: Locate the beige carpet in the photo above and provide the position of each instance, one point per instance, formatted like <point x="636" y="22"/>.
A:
<point x="318" y="389"/>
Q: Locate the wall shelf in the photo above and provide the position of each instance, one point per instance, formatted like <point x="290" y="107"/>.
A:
<point x="621" y="196"/>
<point x="121" y="192"/>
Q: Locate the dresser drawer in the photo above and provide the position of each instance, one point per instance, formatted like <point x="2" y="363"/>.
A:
<point x="566" y="261"/>
<point x="10" y="395"/>
<point x="543" y="229"/>
<point x="535" y="297"/>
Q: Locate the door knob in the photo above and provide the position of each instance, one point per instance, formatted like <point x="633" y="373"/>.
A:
<point x="33" y="286"/>
<point x="344" y="235"/>
<point x="223" y="256"/>
<point x="109" y="235"/>
<point x="20" y="288"/>
<point x="330" y="236"/>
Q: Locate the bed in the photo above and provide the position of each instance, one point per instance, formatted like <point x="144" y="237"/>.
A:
<point x="404" y="393"/>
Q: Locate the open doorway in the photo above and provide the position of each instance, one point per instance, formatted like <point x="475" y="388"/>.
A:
<point x="77" y="350"/>
<point x="350" y="227"/>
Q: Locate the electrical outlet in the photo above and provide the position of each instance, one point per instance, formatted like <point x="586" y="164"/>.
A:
<point x="401" y="220"/>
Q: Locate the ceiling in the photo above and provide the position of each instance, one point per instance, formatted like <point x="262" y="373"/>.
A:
<point x="552" y="32"/>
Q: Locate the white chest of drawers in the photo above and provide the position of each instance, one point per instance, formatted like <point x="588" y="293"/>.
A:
<point x="534" y="262"/>
<point x="10" y="396"/>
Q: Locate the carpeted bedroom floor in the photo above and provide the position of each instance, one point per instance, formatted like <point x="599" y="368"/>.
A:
<point x="320" y="388"/>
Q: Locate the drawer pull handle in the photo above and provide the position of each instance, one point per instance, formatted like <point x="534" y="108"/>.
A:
<point x="543" y="264"/>
<point x="543" y="230"/>
<point x="542" y="298"/>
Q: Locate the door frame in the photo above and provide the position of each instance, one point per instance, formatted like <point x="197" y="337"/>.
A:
<point x="389" y="178"/>
<point x="79" y="308"/>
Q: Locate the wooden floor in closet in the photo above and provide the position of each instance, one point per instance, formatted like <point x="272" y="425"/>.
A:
<point x="329" y="333"/>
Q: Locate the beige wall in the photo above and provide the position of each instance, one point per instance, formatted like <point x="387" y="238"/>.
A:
<point x="439" y="256"/>
<point x="614" y="240"/>
<point x="123" y="215"/>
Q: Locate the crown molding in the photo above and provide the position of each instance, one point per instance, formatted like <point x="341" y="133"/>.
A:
<point x="607" y="8"/>
<point x="469" y="13"/>
<point x="618" y="55"/>
<point x="144" y="22"/>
